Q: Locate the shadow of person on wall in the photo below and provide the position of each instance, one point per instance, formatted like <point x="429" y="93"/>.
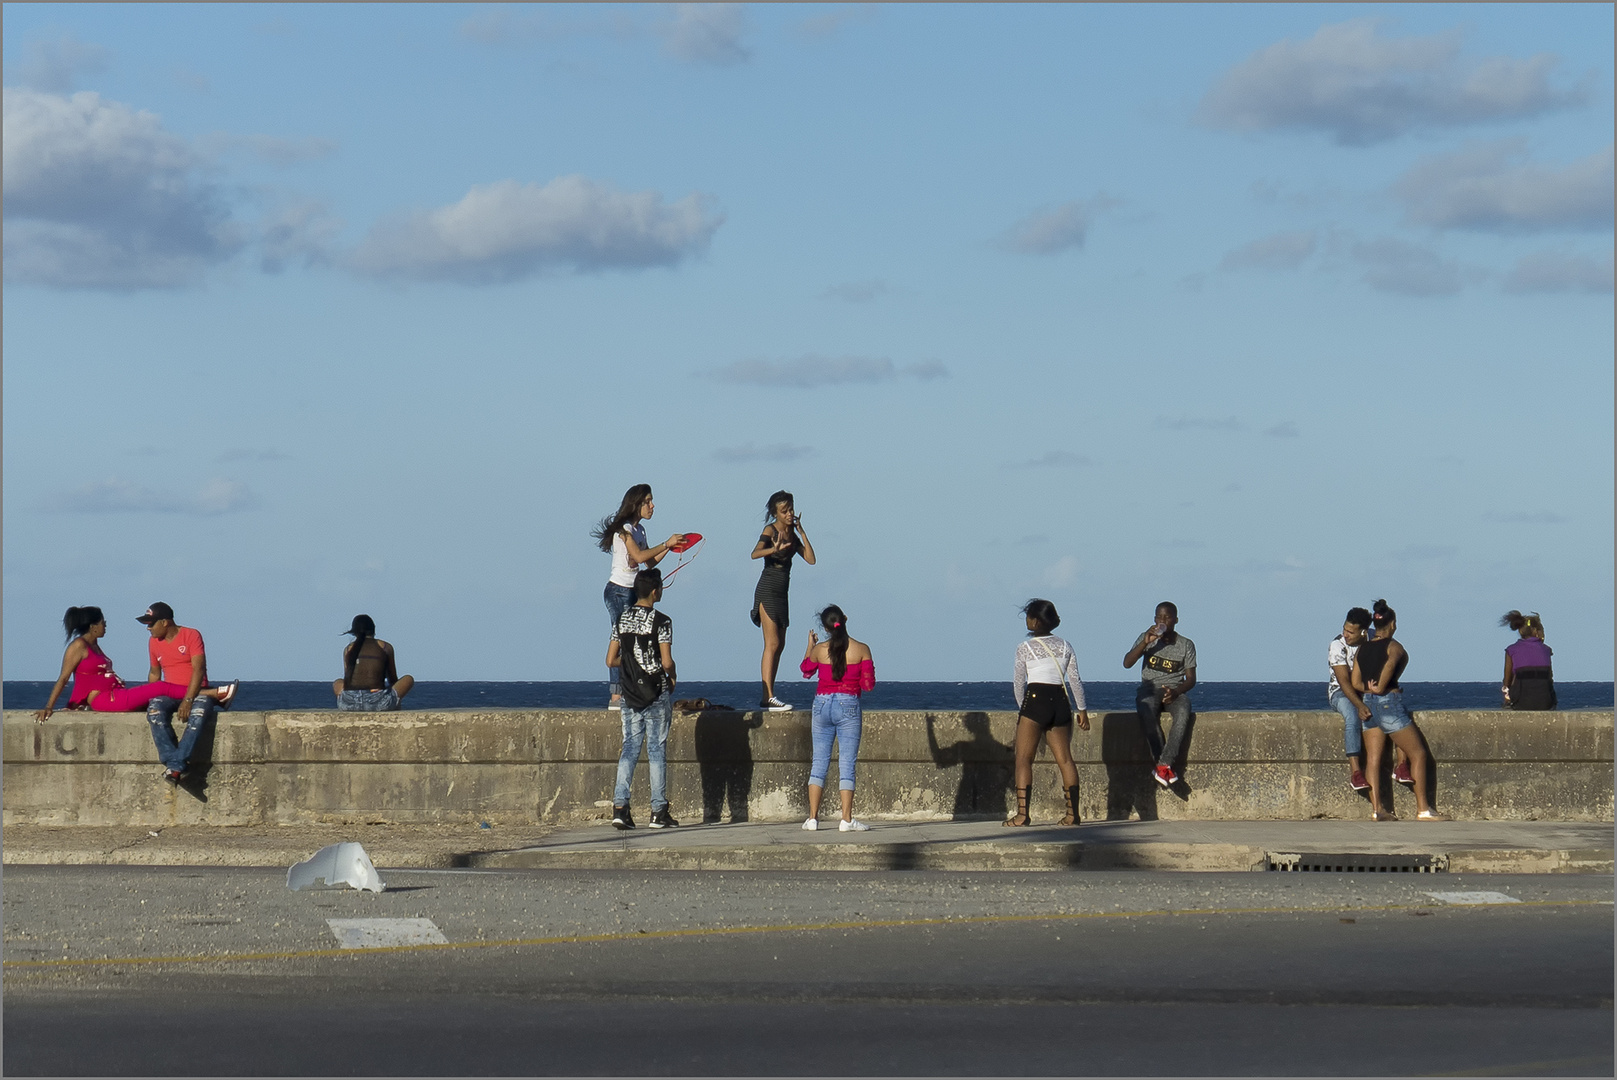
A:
<point x="724" y="759"/>
<point x="985" y="767"/>
<point x="1130" y="790"/>
<point x="195" y="783"/>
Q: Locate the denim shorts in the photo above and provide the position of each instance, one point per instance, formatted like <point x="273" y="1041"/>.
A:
<point x="368" y="700"/>
<point x="1387" y="712"/>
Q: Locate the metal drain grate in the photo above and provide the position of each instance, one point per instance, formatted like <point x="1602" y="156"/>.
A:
<point x="1348" y="862"/>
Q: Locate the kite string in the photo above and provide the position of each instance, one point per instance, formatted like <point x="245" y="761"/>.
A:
<point x="686" y="557"/>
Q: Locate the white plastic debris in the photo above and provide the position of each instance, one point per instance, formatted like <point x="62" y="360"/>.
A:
<point x="385" y="933"/>
<point x="333" y="867"/>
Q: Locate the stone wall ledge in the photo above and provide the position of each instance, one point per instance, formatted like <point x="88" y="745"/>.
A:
<point x="519" y="765"/>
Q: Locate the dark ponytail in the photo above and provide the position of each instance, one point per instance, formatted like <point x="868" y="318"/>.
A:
<point x="1522" y="624"/>
<point x="1382" y="614"/>
<point x="836" y="641"/>
<point x="364" y="627"/>
<point x="79" y="619"/>
<point x="628" y="510"/>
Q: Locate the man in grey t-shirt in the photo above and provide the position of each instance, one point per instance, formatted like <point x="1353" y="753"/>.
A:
<point x="1167" y="677"/>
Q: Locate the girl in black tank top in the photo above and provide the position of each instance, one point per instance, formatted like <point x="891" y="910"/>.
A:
<point x="1373" y="658"/>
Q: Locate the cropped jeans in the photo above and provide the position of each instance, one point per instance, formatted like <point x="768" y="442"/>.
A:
<point x="619" y="598"/>
<point x="1148" y="704"/>
<point x="646" y="727"/>
<point x="1352" y="727"/>
<point x="160" y="714"/>
<point x="840" y="717"/>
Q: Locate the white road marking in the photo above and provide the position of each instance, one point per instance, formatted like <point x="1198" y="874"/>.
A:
<point x="382" y="933"/>
<point x="1473" y="898"/>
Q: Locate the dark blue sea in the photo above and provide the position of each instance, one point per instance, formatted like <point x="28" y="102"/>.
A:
<point x="940" y="696"/>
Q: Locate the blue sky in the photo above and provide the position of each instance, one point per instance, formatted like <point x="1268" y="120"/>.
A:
<point x="1266" y="310"/>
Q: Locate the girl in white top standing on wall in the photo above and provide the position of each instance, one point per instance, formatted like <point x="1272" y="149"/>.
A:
<point x="625" y="538"/>
<point x="1044" y="663"/>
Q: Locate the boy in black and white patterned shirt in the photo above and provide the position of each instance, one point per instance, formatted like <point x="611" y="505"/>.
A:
<point x="647" y="697"/>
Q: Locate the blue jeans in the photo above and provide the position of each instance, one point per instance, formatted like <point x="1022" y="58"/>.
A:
<point x="646" y="727"/>
<point x="1352" y="728"/>
<point x="1148" y="705"/>
<point x="1387" y="712"/>
<point x="618" y="599"/>
<point x="840" y="717"/>
<point x="160" y="712"/>
<point x="385" y="700"/>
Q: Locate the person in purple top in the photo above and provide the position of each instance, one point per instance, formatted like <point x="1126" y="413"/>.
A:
<point x="1528" y="682"/>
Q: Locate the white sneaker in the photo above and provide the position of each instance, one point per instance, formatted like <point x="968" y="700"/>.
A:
<point x="812" y="824"/>
<point x="775" y="704"/>
<point x="853" y="825"/>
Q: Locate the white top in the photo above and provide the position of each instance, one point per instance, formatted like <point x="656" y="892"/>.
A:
<point x="623" y="571"/>
<point x="1050" y="660"/>
<point x="1340" y="653"/>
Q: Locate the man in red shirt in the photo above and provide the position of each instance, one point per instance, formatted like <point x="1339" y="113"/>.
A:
<point x="177" y="656"/>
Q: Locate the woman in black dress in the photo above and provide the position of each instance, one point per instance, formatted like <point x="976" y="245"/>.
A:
<point x="782" y="538"/>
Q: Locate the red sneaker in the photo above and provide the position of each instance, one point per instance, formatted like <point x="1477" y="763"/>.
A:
<point x="1357" y="781"/>
<point x="1164" y="776"/>
<point x="1401" y="774"/>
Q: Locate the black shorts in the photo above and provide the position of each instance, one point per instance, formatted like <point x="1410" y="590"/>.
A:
<point x="1047" y="705"/>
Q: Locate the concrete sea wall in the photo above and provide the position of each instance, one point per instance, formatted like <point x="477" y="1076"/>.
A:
<point x="511" y="766"/>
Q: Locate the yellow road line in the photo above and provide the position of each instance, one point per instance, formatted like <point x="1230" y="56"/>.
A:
<point x="650" y="935"/>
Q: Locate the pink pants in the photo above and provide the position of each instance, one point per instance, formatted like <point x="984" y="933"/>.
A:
<point x="135" y="698"/>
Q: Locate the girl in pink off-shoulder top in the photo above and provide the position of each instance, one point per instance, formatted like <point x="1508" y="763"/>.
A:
<point x="846" y="670"/>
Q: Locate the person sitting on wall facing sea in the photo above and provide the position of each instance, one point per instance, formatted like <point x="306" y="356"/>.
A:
<point x="1046" y="667"/>
<point x="370" y="679"/>
<point x="1167" y="677"/>
<point x="624" y="537"/>
<point x="782" y="539"/>
<point x="846" y="670"/>
<point x="1376" y="669"/>
<point x="1529" y="684"/>
<point x="178" y="657"/>
<point x="643" y="654"/>
<point x="95" y="685"/>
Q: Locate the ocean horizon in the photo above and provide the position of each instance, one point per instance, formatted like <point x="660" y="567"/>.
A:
<point x="989" y="696"/>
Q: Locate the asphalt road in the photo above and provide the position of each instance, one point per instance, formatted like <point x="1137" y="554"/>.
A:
<point x="123" y="970"/>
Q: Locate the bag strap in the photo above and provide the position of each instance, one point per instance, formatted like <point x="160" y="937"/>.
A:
<point x="1061" y="673"/>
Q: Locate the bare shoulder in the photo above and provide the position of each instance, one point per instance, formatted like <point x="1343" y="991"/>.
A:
<point x="386" y="646"/>
<point x="857" y="650"/>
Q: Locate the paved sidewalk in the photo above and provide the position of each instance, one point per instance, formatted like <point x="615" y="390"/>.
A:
<point x="1462" y="846"/>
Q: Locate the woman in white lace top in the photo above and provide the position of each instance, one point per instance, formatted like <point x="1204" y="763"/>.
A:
<point x="1045" y="669"/>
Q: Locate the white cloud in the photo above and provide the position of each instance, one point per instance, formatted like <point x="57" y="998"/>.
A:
<point x="281" y="150"/>
<point x="506" y="231"/>
<point x="1057" y="229"/>
<point x="857" y="292"/>
<point x="55" y="66"/>
<point x="1282" y="251"/>
<point x="98" y="195"/>
<point x="118" y="496"/>
<point x="1361" y="88"/>
<point x="1408" y="269"/>
<point x="1550" y="271"/>
<point x="808" y="372"/>
<point x="828" y="24"/>
<point x="1487" y="187"/>
<point x="741" y="455"/>
<point x="1062" y="572"/>
<point x="706" y="33"/>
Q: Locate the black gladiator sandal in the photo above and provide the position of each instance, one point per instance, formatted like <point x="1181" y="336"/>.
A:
<point x="1072" y="805"/>
<point x="1022" y="795"/>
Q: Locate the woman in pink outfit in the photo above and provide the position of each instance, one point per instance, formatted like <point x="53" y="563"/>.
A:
<point x="95" y="685"/>
<point x="846" y="671"/>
